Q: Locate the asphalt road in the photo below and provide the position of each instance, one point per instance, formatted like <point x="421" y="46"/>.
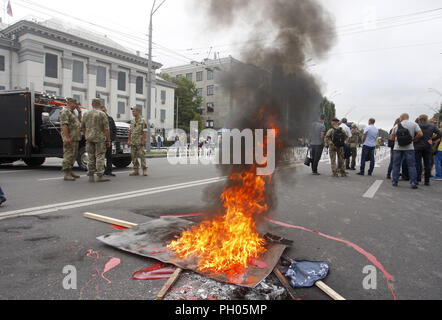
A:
<point x="350" y="223"/>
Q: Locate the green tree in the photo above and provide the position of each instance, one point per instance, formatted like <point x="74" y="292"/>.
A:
<point x="329" y="109"/>
<point x="188" y="100"/>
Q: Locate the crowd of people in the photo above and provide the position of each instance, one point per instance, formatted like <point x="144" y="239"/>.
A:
<point x="415" y="148"/>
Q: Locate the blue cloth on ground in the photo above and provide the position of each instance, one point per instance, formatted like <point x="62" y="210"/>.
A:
<point x="304" y="274"/>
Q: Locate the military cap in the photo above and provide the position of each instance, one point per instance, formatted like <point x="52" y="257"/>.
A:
<point x="335" y="120"/>
<point x="96" y="102"/>
<point x="71" y="100"/>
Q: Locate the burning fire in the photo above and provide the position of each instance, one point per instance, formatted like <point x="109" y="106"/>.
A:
<point x="229" y="242"/>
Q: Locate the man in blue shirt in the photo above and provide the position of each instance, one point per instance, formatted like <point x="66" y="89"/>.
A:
<point x="369" y="144"/>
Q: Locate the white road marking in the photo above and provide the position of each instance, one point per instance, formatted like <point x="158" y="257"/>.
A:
<point x="373" y="189"/>
<point x="81" y="176"/>
<point x="14" y="171"/>
<point x="104" y="199"/>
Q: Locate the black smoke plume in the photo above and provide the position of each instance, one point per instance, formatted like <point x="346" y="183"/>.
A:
<point x="273" y="77"/>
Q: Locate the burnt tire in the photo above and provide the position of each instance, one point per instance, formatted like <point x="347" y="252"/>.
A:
<point x="122" y="162"/>
<point x="34" y="162"/>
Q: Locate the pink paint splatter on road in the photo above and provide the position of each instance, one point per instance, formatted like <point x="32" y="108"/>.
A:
<point x="111" y="264"/>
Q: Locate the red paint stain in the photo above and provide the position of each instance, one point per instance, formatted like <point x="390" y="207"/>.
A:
<point x="157" y="271"/>
<point x="118" y="227"/>
<point x="111" y="264"/>
<point x="258" y="263"/>
<point x="368" y="255"/>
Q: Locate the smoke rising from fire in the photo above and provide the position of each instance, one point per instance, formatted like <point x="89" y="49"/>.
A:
<point x="271" y="87"/>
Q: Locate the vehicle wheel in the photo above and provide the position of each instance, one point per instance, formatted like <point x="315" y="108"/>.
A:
<point x="82" y="159"/>
<point x="34" y="162"/>
<point x="122" y="162"/>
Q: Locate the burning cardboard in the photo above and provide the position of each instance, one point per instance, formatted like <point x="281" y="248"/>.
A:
<point x="151" y="240"/>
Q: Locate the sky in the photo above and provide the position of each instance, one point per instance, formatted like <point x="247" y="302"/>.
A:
<point x="387" y="56"/>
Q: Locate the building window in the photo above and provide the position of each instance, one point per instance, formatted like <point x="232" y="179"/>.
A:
<point x="77" y="97"/>
<point x="178" y="76"/>
<point x="163" y="115"/>
<point x="163" y="96"/>
<point x="199" y="76"/>
<point x="210" y="75"/>
<point x="77" y="71"/>
<point x="140" y="84"/>
<point x="210" y="90"/>
<point x="210" y="107"/>
<point x="2" y="88"/>
<point x="210" y="124"/>
<point x="121" y="107"/>
<point x="102" y="102"/>
<point x="101" y="76"/>
<point x="2" y="63"/>
<point x="200" y="92"/>
<point x="189" y="76"/>
<point x="122" y="81"/>
<point x="51" y="65"/>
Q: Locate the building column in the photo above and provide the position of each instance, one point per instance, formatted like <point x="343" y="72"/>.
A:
<point x="113" y="96"/>
<point x="133" y="88"/>
<point x="91" y="81"/>
<point x="66" y="74"/>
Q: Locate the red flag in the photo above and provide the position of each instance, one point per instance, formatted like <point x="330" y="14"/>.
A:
<point x="9" y="9"/>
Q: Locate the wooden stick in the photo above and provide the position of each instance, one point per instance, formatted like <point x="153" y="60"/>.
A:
<point x="169" y="284"/>
<point x="122" y="223"/>
<point x="116" y="222"/>
<point x="321" y="285"/>
<point x="285" y="283"/>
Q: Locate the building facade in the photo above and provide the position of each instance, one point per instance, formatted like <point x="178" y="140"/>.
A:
<point x="49" y="57"/>
<point x="217" y="103"/>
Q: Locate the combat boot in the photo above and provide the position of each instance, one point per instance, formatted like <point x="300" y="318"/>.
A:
<point x="135" y="173"/>
<point x="67" y="176"/>
<point x="344" y="175"/>
<point x="102" y="179"/>
<point x="145" y="173"/>
<point x="91" y="179"/>
<point x="75" y="176"/>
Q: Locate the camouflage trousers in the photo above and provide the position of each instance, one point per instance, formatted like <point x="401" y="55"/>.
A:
<point x="70" y="154"/>
<point x="138" y="152"/>
<point x="97" y="157"/>
<point x="339" y="152"/>
<point x="354" y="154"/>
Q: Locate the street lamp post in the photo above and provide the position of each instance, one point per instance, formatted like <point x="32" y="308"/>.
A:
<point x="149" y="76"/>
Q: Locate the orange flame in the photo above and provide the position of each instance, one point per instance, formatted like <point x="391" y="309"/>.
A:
<point x="229" y="242"/>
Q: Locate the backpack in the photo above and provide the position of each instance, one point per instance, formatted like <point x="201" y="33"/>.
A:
<point x="339" y="137"/>
<point x="404" y="137"/>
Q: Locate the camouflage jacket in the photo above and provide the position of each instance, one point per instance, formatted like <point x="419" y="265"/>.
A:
<point x="354" y="140"/>
<point x="329" y="136"/>
<point x="70" y="119"/>
<point x="95" y="123"/>
<point x="137" y="129"/>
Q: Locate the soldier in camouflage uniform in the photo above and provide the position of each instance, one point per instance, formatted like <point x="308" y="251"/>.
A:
<point x="353" y="142"/>
<point x="71" y="135"/>
<point x="95" y="126"/>
<point x="137" y="142"/>
<point x="336" y="151"/>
